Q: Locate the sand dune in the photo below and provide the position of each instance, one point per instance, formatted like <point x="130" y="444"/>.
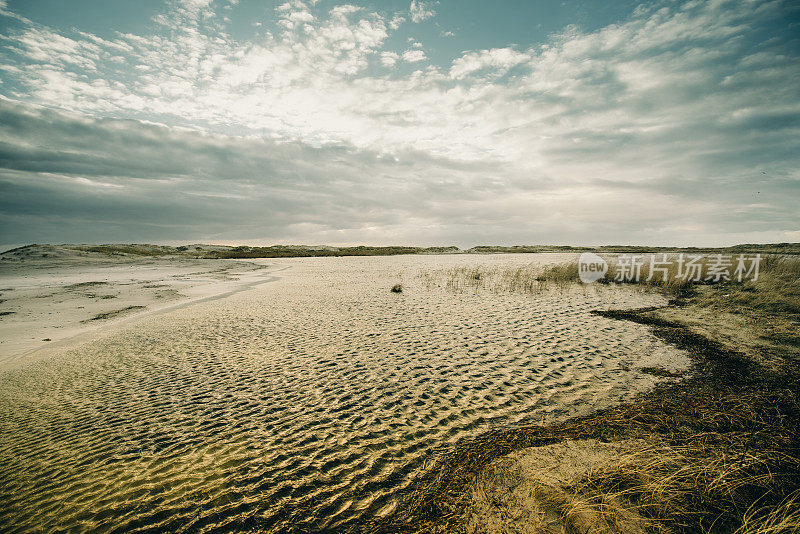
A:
<point x="307" y="401"/>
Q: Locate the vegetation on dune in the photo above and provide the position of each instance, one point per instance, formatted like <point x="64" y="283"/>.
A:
<point x="133" y="249"/>
<point x="527" y="278"/>
<point x="770" y="248"/>
<point x="113" y="314"/>
<point x="777" y="288"/>
<point x="753" y="248"/>
<point x="20" y="249"/>
<point x="776" y="291"/>
<point x="290" y="251"/>
<point x="525" y="249"/>
<point x="84" y="285"/>
<point x="287" y="251"/>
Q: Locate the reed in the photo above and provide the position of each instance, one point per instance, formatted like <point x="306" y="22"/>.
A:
<point x="776" y="289"/>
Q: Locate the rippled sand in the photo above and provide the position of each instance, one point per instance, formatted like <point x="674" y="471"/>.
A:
<point x="308" y="401"/>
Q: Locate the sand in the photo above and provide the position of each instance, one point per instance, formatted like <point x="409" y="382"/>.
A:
<point x="53" y="294"/>
<point x="304" y="401"/>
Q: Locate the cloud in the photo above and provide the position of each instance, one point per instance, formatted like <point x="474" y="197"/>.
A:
<point x="285" y="83"/>
<point x="388" y="59"/>
<point x="396" y="21"/>
<point x="420" y="11"/>
<point x="414" y="56"/>
<point x="656" y="128"/>
<point x="498" y="60"/>
<point x="64" y="177"/>
<point x="125" y="178"/>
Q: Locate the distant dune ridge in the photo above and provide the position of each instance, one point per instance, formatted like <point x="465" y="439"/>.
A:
<point x="292" y="251"/>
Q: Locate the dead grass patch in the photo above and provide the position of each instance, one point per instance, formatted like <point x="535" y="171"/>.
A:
<point x="714" y="461"/>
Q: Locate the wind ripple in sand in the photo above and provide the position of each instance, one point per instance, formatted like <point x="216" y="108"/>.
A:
<point x="306" y="403"/>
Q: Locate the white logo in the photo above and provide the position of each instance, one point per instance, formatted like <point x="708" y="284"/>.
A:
<point x="591" y="267"/>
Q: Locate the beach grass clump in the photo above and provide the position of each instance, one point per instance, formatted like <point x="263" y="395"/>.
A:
<point x="397" y="288"/>
<point x="560" y="274"/>
<point x="781" y="519"/>
<point x="525" y="278"/>
<point x="534" y="278"/>
<point x="670" y="278"/>
<point x="705" y="483"/>
<point x="776" y="289"/>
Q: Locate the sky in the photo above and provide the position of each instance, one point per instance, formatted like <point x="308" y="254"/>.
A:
<point x="450" y="122"/>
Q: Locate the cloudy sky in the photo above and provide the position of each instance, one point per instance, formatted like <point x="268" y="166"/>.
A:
<point x="453" y="122"/>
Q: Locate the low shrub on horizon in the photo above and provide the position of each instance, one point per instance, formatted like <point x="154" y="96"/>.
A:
<point x="284" y="251"/>
<point x="136" y="250"/>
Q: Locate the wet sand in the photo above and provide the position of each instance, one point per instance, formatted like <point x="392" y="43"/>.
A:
<point x="305" y="402"/>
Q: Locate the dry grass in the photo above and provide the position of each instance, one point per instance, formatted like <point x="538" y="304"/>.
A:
<point x="631" y="486"/>
<point x="668" y="277"/>
<point x="559" y="274"/>
<point x="780" y="519"/>
<point x="716" y="461"/>
<point x="686" y="486"/>
<point x="769" y="306"/>
<point x="777" y="288"/>
<point x="528" y="279"/>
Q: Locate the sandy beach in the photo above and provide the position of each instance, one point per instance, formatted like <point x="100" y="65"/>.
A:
<point x="51" y="295"/>
<point x="306" y="395"/>
<point x="409" y="267"/>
